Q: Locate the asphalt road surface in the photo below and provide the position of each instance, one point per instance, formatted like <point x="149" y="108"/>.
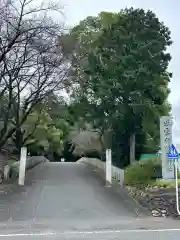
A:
<point x="69" y="201"/>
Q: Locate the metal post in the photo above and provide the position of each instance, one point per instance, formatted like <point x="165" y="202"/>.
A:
<point x="108" y="167"/>
<point x="177" y="189"/>
<point x="22" y="165"/>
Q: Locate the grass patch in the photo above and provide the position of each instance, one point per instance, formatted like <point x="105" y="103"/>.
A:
<point x="165" y="183"/>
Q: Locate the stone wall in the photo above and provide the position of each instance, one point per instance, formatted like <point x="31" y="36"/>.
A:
<point x="160" y="202"/>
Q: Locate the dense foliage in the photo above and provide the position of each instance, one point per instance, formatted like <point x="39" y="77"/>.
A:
<point x="120" y="78"/>
<point x="114" y="68"/>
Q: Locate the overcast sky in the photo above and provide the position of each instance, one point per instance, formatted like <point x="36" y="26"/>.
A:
<point x="166" y="10"/>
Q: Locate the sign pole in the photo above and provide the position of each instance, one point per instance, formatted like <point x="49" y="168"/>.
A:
<point x="177" y="188"/>
<point x="173" y="155"/>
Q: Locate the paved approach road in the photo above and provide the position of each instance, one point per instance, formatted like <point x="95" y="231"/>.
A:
<point x="69" y="201"/>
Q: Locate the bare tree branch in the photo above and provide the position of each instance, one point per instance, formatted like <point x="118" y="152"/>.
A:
<point x="31" y="66"/>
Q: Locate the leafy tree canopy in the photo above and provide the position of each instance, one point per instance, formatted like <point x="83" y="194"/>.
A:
<point x="120" y="75"/>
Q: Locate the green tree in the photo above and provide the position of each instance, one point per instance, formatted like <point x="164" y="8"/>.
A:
<point x="121" y="68"/>
<point x="39" y="134"/>
<point x="35" y="129"/>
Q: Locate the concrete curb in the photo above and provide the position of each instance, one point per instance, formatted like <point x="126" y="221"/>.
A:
<point x="131" y="203"/>
<point x="141" y="210"/>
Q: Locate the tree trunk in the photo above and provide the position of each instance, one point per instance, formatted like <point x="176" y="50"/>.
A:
<point x="106" y="142"/>
<point x="132" y="148"/>
<point x="102" y="146"/>
<point x="18" y="140"/>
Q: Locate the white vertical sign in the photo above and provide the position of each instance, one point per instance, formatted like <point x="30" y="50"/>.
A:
<point x="166" y="141"/>
<point x="22" y="165"/>
<point x="108" y="166"/>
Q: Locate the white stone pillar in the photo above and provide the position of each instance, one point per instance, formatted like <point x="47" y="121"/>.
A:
<point x="108" y="166"/>
<point x="22" y="165"/>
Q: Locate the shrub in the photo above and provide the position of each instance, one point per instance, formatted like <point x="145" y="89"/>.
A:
<point x="142" y="173"/>
<point x="92" y="154"/>
<point x="14" y="171"/>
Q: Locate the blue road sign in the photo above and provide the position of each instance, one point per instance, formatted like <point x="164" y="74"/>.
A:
<point x="173" y="154"/>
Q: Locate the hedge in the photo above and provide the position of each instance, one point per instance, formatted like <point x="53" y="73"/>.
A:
<point x="143" y="173"/>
